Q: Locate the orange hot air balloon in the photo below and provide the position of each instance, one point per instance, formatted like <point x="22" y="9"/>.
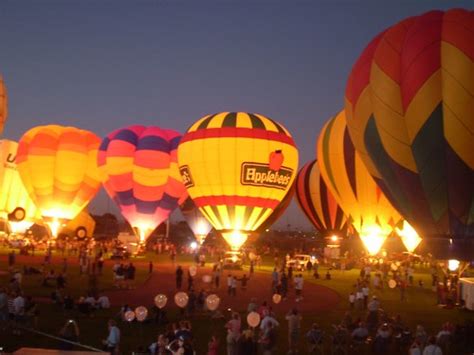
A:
<point x="3" y="104"/>
<point x="410" y="113"/>
<point x="237" y="168"/>
<point x="58" y="167"/>
<point x="350" y="183"/>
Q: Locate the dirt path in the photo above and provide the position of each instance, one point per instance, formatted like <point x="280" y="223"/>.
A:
<point x="317" y="298"/>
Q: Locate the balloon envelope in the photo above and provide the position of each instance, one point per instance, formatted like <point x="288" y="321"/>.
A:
<point x="141" y="313"/>
<point x="350" y="183"/>
<point x="181" y="299"/>
<point x="253" y="319"/>
<point x="212" y="302"/>
<point x="58" y="168"/>
<point x="195" y="220"/>
<point x="410" y="112"/>
<point x="317" y="201"/>
<point x="15" y="203"/>
<point x="3" y="104"/>
<point x="161" y="300"/>
<point x="139" y="170"/>
<point x="237" y="168"/>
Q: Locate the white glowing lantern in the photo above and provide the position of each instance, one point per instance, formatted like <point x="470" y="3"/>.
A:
<point x="453" y="265"/>
<point x="373" y="238"/>
<point x="409" y="236"/>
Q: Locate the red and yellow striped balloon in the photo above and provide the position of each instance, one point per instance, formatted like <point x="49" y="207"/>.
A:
<point x="140" y="173"/>
<point x="58" y="167"/>
<point x="317" y="202"/>
<point x="364" y="204"/>
<point x="237" y="168"/>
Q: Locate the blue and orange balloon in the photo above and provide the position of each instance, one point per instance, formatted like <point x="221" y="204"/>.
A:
<point x="140" y="173"/>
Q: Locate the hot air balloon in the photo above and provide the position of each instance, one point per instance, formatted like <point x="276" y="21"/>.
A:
<point x="140" y="173"/>
<point x="237" y="167"/>
<point x="317" y="202"/>
<point x="3" y="104"/>
<point x="279" y="210"/>
<point x="410" y="113"/>
<point x="196" y="221"/>
<point x="350" y="183"/>
<point x="81" y="227"/>
<point x="16" y="205"/>
<point x="58" y="168"/>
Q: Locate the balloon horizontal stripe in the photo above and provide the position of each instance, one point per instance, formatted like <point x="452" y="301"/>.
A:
<point x="228" y="132"/>
<point x="235" y="201"/>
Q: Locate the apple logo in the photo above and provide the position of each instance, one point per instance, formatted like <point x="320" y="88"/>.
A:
<point x="276" y="160"/>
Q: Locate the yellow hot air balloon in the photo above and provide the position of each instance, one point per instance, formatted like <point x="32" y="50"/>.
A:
<point x="3" y="104"/>
<point x="82" y="226"/>
<point x="237" y="167"/>
<point x="58" y="167"/>
<point x="16" y="205"/>
<point x="356" y="192"/>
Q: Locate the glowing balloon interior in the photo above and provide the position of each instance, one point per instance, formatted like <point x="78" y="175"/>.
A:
<point x="58" y="168"/>
<point x="237" y="167"/>
<point x="350" y="183"/>
<point x="409" y="236"/>
<point x="16" y="206"/>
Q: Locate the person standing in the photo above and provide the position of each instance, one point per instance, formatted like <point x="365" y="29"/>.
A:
<point x="294" y="325"/>
<point x="179" y="277"/>
<point x="216" y="275"/>
<point x="111" y="344"/>
<point x="233" y="333"/>
<point x="299" y="281"/>
<point x="190" y="281"/>
<point x="234" y="286"/>
<point x="365" y="293"/>
<point x="269" y="339"/>
<point x="229" y="284"/>
<point x="274" y="279"/>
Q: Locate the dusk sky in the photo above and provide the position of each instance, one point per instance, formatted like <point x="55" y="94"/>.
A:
<point x="102" y="65"/>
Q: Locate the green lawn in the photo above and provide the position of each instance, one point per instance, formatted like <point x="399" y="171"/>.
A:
<point x="419" y="308"/>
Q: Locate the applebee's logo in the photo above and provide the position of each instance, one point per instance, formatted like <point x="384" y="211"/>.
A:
<point x="257" y="174"/>
<point x="186" y="176"/>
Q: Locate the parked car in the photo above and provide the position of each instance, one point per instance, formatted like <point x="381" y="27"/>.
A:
<point x="120" y="253"/>
<point x="299" y="261"/>
<point x="233" y="260"/>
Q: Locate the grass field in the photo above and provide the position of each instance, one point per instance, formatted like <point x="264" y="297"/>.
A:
<point x="419" y="308"/>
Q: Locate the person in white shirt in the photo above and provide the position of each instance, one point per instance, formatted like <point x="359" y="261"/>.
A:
<point x="268" y="319"/>
<point x="359" y="298"/>
<point x="432" y="348"/>
<point x="113" y="339"/>
<point x="365" y="293"/>
<point x="103" y="302"/>
<point x="90" y="300"/>
<point x="352" y="299"/>
<point x="19" y="305"/>
<point x="299" y="287"/>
